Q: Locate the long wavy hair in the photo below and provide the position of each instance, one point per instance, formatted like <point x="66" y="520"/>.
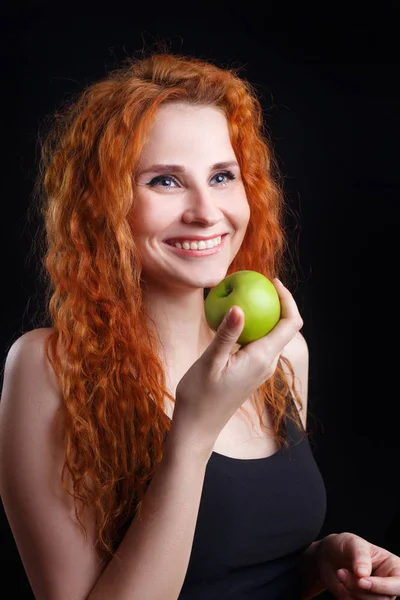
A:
<point x="103" y="347"/>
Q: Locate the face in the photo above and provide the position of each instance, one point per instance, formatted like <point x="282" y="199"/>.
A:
<point x="188" y="185"/>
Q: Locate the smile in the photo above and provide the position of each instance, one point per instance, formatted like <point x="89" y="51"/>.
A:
<point x="201" y="248"/>
<point x="200" y="245"/>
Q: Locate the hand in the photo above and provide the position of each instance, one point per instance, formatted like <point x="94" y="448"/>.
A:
<point x="220" y="381"/>
<point x="346" y="561"/>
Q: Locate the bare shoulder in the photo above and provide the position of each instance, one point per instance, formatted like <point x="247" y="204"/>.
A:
<point x="59" y="562"/>
<point x="33" y="339"/>
<point x="296" y="351"/>
<point x="26" y="355"/>
<point x="29" y="382"/>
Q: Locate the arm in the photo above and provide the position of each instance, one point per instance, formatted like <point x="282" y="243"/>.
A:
<point x="154" y="554"/>
<point x="151" y="560"/>
<point x="297" y="352"/>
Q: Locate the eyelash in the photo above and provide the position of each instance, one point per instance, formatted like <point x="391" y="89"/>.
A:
<point x="156" y="180"/>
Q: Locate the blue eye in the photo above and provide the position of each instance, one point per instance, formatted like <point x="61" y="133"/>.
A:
<point x="223" y="176"/>
<point x="169" y="182"/>
<point x="163" y="181"/>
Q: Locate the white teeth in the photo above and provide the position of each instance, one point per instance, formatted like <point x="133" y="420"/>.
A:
<point x="190" y="245"/>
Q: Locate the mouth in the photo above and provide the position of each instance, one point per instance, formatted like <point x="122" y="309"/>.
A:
<point x="184" y="250"/>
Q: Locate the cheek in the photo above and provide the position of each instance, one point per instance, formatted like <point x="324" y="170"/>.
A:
<point x="242" y="212"/>
<point x="151" y="215"/>
<point x="144" y="220"/>
<point x="244" y="221"/>
<point x="140" y="217"/>
<point x="247" y="213"/>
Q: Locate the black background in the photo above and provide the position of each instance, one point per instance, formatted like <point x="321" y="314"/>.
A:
<point x="329" y="90"/>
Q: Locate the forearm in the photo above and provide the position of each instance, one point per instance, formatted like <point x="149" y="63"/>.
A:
<point x="312" y="583"/>
<point x="153" y="558"/>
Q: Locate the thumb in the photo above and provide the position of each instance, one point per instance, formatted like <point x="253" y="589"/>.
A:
<point x="362" y="564"/>
<point x="227" y="335"/>
<point x="231" y="326"/>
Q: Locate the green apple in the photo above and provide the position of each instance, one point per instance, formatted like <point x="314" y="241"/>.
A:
<point x="257" y="297"/>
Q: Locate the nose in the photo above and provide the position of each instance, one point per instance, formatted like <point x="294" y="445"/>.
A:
<point x="201" y="207"/>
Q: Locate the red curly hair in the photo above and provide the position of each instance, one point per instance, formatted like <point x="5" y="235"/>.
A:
<point x="112" y="382"/>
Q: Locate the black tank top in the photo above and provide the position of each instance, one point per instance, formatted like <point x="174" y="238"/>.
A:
<point x="256" y="518"/>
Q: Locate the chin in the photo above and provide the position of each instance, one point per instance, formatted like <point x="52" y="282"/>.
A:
<point x="216" y="280"/>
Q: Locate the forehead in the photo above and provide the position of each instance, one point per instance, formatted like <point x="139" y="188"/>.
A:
<point x="189" y="112"/>
<point x="186" y="130"/>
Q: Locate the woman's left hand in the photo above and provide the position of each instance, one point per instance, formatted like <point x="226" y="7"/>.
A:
<point x="341" y="559"/>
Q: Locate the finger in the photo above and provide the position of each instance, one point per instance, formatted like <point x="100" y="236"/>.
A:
<point x="360" y="552"/>
<point x="351" y="583"/>
<point x="342" y="593"/>
<point x="369" y="596"/>
<point x="386" y="586"/>
<point x="225" y="339"/>
<point x="288" y="325"/>
<point x="289" y="308"/>
<point x="334" y="584"/>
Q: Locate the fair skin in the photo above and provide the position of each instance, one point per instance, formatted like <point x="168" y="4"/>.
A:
<point x="195" y="198"/>
<point x="59" y="562"/>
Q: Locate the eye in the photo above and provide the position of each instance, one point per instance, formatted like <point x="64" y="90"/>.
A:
<point x="223" y="177"/>
<point x="165" y="181"/>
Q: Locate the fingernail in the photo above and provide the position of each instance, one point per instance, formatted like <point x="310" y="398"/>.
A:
<point x="230" y="317"/>
<point x="365" y="583"/>
<point x="362" y="570"/>
<point x="342" y="574"/>
<point x="229" y="313"/>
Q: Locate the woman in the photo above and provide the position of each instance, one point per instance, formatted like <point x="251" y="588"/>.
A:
<point x="142" y="454"/>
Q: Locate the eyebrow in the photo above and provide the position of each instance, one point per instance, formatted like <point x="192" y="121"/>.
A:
<point x="162" y="168"/>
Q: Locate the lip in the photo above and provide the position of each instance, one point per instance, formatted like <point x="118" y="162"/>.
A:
<point x="194" y="238"/>
<point x="199" y="253"/>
